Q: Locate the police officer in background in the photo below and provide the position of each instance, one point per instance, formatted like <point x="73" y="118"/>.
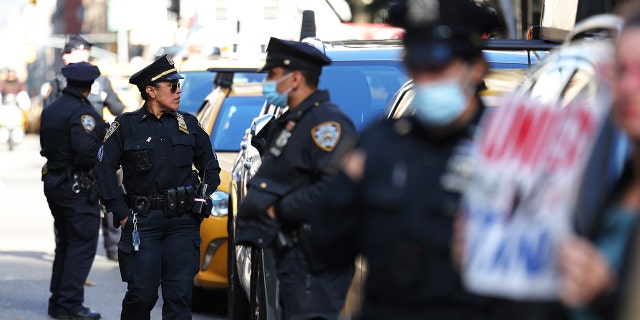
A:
<point x="71" y="132"/>
<point x="102" y="95"/>
<point x="396" y="197"/>
<point x="160" y="213"/>
<point x="301" y="151"/>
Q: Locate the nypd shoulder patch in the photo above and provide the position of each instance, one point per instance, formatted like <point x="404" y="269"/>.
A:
<point x="326" y="135"/>
<point x="112" y="128"/>
<point x="88" y="122"/>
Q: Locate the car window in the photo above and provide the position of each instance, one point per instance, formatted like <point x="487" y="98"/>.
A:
<point x="362" y="89"/>
<point x="195" y="86"/>
<point x="563" y="81"/>
<point x="234" y="118"/>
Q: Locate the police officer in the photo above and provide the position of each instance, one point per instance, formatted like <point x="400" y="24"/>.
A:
<point x="397" y="195"/>
<point x="102" y="95"/>
<point x="71" y="132"/>
<point x="301" y="149"/>
<point x="160" y="213"/>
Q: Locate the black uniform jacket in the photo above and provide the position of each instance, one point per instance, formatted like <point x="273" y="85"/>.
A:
<point x="400" y="217"/>
<point x="171" y="154"/>
<point x="71" y="132"/>
<point x="294" y="181"/>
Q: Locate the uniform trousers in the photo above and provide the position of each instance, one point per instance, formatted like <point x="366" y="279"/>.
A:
<point x="76" y="224"/>
<point x="310" y="295"/>
<point x="168" y="256"/>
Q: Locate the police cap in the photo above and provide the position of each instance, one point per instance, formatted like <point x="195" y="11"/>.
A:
<point x="80" y="72"/>
<point x="437" y="31"/>
<point x="294" y="55"/>
<point x="162" y="69"/>
<point x="76" y="42"/>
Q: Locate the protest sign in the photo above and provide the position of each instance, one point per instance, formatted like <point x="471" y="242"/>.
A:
<point x="529" y="159"/>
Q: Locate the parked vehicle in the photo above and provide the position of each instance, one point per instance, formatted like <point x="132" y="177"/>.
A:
<point x="227" y="110"/>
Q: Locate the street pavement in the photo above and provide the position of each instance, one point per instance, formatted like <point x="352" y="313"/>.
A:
<point x="27" y="247"/>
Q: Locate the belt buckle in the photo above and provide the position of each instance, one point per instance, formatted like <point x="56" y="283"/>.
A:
<point x="141" y="205"/>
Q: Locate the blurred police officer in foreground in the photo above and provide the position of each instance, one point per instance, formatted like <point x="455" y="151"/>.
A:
<point x="164" y="201"/>
<point x="71" y="132"/>
<point x="77" y="49"/>
<point x="396" y="198"/>
<point x="299" y="156"/>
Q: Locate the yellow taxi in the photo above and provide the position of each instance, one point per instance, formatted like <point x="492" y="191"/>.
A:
<point x="225" y="114"/>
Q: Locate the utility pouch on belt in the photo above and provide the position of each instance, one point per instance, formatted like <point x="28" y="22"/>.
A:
<point x="181" y="195"/>
<point x="142" y="160"/>
<point x="170" y="203"/>
<point x="304" y="238"/>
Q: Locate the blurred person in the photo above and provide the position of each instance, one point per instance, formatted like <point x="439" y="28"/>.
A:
<point x="301" y="149"/>
<point x="71" y="132"/>
<point x="164" y="202"/>
<point x="390" y="203"/>
<point x="12" y="90"/>
<point x="77" y="49"/>
<point x="596" y="266"/>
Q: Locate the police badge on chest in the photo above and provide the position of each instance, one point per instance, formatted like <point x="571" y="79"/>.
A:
<point x="460" y="168"/>
<point x="282" y="139"/>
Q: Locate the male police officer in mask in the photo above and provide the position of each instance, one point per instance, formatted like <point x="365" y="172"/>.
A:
<point x="391" y="202"/>
<point x="300" y="155"/>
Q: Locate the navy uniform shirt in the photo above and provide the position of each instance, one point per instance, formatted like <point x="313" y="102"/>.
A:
<point x="400" y="216"/>
<point x="294" y="181"/>
<point x="71" y="132"/>
<point x="172" y="153"/>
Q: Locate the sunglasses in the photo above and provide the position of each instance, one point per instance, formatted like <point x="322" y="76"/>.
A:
<point x="174" y="86"/>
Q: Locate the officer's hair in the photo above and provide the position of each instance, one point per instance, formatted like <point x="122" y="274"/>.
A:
<point x="80" y="85"/>
<point x="143" y="92"/>
<point x="311" y="78"/>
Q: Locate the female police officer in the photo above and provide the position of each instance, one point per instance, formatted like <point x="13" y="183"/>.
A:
<point x="156" y="147"/>
<point x="391" y="202"/>
<point x="70" y="136"/>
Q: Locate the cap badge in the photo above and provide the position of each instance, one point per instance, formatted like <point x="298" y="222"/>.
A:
<point x="286" y="62"/>
<point x="326" y="135"/>
<point x="423" y="11"/>
<point x="169" y="59"/>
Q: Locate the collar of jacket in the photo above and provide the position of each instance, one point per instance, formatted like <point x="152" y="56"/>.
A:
<point x="144" y="112"/>
<point x="313" y="100"/>
<point x="75" y="93"/>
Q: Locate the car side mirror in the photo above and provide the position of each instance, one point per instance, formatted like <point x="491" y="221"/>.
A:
<point x="258" y="128"/>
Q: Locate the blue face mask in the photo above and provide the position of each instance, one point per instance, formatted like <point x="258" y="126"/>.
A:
<point x="270" y="92"/>
<point x="439" y="104"/>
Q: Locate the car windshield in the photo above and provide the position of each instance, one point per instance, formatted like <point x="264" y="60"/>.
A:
<point x="195" y="86"/>
<point x="234" y="118"/>
<point x="363" y="88"/>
